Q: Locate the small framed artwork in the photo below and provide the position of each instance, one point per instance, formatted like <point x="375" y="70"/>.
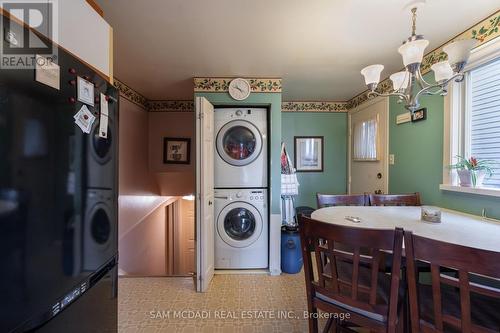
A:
<point x="85" y="91"/>
<point x="308" y="153"/>
<point x="419" y="115"/>
<point x="176" y="150"/>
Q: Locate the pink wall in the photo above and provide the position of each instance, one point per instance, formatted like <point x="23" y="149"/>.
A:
<point x="134" y="176"/>
<point x="142" y="248"/>
<point x="172" y="179"/>
<point x="147" y="185"/>
<point x="140" y="214"/>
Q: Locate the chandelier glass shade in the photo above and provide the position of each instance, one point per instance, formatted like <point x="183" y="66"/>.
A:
<point x="409" y="84"/>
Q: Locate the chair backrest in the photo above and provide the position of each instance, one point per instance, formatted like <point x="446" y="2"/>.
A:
<point x="324" y="239"/>
<point x="454" y="258"/>
<point x="327" y="200"/>
<point x="412" y="199"/>
<point x="305" y="210"/>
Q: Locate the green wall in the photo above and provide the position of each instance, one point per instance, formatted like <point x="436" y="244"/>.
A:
<point x="333" y="126"/>
<point x="272" y="100"/>
<point x="418" y="150"/>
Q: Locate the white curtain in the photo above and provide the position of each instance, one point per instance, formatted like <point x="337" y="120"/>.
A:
<point x="366" y="140"/>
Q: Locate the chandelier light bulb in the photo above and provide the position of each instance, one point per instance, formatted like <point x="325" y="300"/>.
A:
<point x="442" y="71"/>
<point x="372" y="74"/>
<point x="400" y="80"/>
<point x="413" y="51"/>
<point x="459" y="51"/>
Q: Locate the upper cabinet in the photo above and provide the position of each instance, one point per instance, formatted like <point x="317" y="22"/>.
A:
<point x="82" y="31"/>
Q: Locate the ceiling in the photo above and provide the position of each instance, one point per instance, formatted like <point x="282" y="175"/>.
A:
<point x="318" y="47"/>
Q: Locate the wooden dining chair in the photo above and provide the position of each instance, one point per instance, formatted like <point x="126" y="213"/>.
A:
<point x="329" y="200"/>
<point x="412" y="199"/>
<point x="461" y="302"/>
<point x="350" y="282"/>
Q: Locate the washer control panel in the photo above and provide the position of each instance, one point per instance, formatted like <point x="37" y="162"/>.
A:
<point x="257" y="196"/>
<point x="251" y="114"/>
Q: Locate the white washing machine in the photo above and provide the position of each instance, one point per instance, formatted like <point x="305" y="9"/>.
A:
<point x="99" y="229"/>
<point x="242" y="231"/>
<point x="241" y="148"/>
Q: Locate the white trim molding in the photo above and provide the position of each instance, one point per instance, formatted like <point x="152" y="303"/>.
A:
<point x="487" y="191"/>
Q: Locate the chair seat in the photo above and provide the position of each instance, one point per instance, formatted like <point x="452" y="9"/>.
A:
<point x="485" y="310"/>
<point x="368" y="314"/>
<point x="344" y="271"/>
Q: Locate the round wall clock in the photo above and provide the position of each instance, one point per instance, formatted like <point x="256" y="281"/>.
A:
<point x="239" y="89"/>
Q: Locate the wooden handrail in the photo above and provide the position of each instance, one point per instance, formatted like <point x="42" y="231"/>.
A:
<point x="96" y="7"/>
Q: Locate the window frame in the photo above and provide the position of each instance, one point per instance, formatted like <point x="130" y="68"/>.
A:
<point x="457" y="120"/>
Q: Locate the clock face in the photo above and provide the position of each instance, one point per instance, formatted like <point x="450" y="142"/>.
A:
<point x="239" y="89"/>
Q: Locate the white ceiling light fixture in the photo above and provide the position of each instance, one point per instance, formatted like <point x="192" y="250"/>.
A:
<point x="409" y="84"/>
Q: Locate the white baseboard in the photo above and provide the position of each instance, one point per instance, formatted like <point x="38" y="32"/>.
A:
<point x="275" y="244"/>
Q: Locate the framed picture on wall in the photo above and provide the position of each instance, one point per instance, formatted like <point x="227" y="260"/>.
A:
<point x="176" y="150"/>
<point x="419" y="115"/>
<point x="308" y="151"/>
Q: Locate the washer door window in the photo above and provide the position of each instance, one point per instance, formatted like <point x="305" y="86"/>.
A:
<point x="239" y="224"/>
<point x="239" y="143"/>
<point x="100" y="147"/>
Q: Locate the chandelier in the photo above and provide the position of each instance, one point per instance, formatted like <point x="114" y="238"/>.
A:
<point x="409" y="85"/>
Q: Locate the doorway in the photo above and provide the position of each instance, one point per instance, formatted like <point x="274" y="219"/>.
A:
<point x="180" y="245"/>
<point x="369" y="147"/>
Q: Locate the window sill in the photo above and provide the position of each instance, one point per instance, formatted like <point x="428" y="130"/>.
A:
<point x="488" y="191"/>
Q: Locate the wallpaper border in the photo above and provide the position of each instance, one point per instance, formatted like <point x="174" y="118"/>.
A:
<point x="171" y="106"/>
<point x="221" y="84"/>
<point x="314" y="106"/>
<point x="131" y="94"/>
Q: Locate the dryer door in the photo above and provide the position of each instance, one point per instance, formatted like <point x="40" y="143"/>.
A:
<point x="101" y="148"/>
<point x="239" y="224"/>
<point x="239" y="142"/>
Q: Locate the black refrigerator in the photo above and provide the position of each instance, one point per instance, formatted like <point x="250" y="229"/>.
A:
<point x="58" y="204"/>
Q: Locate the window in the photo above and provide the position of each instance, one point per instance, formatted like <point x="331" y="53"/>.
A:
<point x="472" y="118"/>
<point x="483" y="134"/>
<point x="365" y="140"/>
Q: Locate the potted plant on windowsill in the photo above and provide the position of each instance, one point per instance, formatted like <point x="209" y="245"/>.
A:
<point x="471" y="172"/>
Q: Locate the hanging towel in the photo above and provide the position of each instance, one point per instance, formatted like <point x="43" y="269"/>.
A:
<point x="289" y="182"/>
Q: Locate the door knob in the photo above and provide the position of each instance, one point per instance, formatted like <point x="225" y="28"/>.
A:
<point x="210" y="203"/>
<point x="379" y="175"/>
<point x="378" y="192"/>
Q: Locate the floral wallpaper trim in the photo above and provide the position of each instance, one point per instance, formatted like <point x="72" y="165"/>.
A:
<point x="484" y="32"/>
<point x="264" y="85"/>
<point x="314" y="107"/>
<point x="170" y="106"/>
<point x="131" y="94"/>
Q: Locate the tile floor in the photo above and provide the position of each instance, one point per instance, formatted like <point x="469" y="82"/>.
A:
<point x="149" y="304"/>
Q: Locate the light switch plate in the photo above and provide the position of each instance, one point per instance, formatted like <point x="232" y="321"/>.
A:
<point x="391" y="159"/>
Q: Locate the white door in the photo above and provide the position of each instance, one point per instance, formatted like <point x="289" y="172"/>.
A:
<point x="205" y="231"/>
<point x="368" y="147"/>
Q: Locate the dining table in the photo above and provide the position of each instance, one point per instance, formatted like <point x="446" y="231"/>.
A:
<point x="455" y="227"/>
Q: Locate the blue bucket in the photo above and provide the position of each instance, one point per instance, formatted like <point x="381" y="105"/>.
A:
<point x="291" y="253"/>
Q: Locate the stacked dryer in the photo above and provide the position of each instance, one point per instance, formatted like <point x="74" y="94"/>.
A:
<point x="241" y="196"/>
